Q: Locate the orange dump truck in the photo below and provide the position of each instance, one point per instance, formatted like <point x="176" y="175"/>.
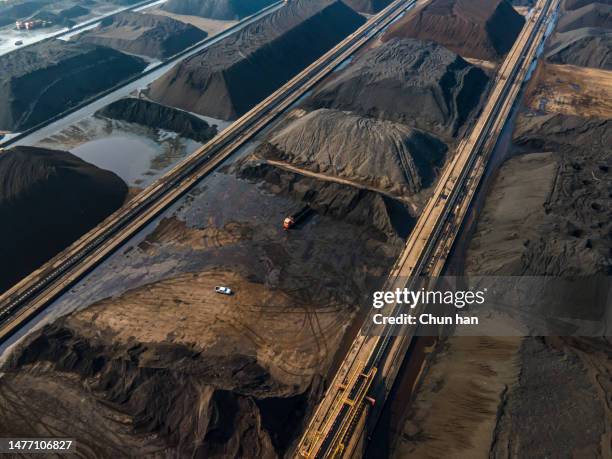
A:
<point x="292" y="220"/>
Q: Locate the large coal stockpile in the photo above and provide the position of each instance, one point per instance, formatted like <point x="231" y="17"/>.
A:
<point x="48" y="199"/>
<point x="575" y="237"/>
<point x="575" y="4"/>
<point x="368" y="6"/>
<point x="586" y="47"/>
<point x="144" y="34"/>
<point x="341" y="144"/>
<point x="157" y="116"/>
<point x="385" y="216"/>
<point x="227" y="79"/>
<point x="482" y="29"/>
<point x="420" y="84"/>
<point x="45" y="79"/>
<point x="13" y="12"/>
<point x="216" y="9"/>
<point x="591" y="15"/>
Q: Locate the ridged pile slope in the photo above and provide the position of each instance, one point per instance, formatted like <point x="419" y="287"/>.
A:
<point x="47" y="78"/>
<point x="154" y="115"/>
<point x="377" y="154"/>
<point x="48" y="199"/>
<point x="420" y="84"/>
<point x="591" y="15"/>
<point x="482" y="29"/>
<point x="227" y="79"/>
<point x="368" y="6"/>
<point x="144" y="34"/>
<point x="216" y="9"/>
<point x="587" y="47"/>
<point x="575" y="4"/>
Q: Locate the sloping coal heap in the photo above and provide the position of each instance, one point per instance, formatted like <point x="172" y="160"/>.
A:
<point x="227" y="79"/>
<point x="50" y="198"/>
<point x="13" y="12"/>
<point x="482" y="29"/>
<point x="47" y="78"/>
<point x="144" y="34"/>
<point x="420" y="84"/>
<point x="341" y="144"/>
<point x="368" y="6"/>
<point x="154" y="115"/>
<point x="574" y="237"/>
<point x="575" y="4"/>
<point x="592" y="15"/>
<point x="586" y="47"/>
<point x="216" y="9"/>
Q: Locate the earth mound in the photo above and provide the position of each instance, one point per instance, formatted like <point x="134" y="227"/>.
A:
<point x="420" y="84"/>
<point x="154" y="115"/>
<point x="144" y="34"/>
<point x="227" y="79"/>
<point x="216" y="9"/>
<point x="51" y="198"/>
<point x="368" y="6"/>
<point x="47" y="78"/>
<point x="340" y="144"/>
<point x="591" y="15"/>
<point x="587" y="47"/>
<point x="481" y="29"/>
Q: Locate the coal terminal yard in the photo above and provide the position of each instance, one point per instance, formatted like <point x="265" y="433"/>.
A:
<point x="264" y="172"/>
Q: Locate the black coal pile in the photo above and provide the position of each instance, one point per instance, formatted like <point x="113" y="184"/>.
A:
<point x="386" y="217"/>
<point x="144" y="34"/>
<point x="482" y="29"/>
<point x="227" y="79"/>
<point x="216" y="9"/>
<point x="586" y="47"/>
<point x="157" y="116"/>
<point x="420" y="84"/>
<point x="178" y="398"/>
<point x="368" y="6"/>
<point x="75" y="11"/>
<point x="591" y="15"/>
<point x="575" y="4"/>
<point x="47" y="78"/>
<point x="66" y="18"/>
<point x="15" y="11"/>
<point x="382" y="155"/>
<point x="575" y="235"/>
<point x="50" y="198"/>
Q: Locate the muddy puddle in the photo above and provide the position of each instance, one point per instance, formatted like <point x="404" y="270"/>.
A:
<point x="136" y="153"/>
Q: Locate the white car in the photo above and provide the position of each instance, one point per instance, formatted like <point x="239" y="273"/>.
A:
<point x="223" y="290"/>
